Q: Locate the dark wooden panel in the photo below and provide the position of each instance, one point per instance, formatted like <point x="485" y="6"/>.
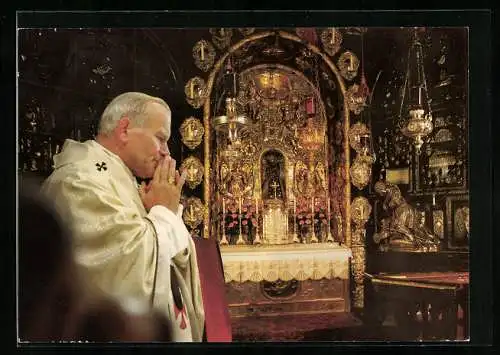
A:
<point x="417" y="262"/>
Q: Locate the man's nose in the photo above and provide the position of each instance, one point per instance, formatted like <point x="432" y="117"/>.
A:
<point x="164" y="151"/>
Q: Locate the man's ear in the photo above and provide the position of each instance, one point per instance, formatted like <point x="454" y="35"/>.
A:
<point x="122" y="128"/>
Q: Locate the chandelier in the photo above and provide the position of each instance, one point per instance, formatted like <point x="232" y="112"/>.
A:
<point x="232" y="122"/>
<point x="415" y="97"/>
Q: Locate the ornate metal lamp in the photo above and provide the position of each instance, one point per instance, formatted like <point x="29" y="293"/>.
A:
<point x="232" y="122"/>
<point x="415" y="97"/>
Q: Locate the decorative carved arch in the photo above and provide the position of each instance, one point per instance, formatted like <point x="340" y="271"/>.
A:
<point x="346" y="119"/>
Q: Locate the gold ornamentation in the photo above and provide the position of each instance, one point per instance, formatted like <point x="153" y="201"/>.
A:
<point x="356" y="103"/>
<point x="461" y="223"/>
<point x="360" y="211"/>
<point x="191" y="132"/>
<point x="195" y="91"/>
<point x="348" y="64"/>
<point x="401" y="231"/>
<point x="194" y="169"/>
<point x="221" y="37"/>
<point x="419" y="125"/>
<point x="246" y="31"/>
<point x="193" y="212"/>
<point x="357" y="133"/>
<point x="204" y="55"/>
<point x="358" y="270"/>
<point x="331" y="38"/>
<point x="361" y="170"/>
<point x="438" y="221"/>
<point x="320" y="174"/>
<point x="443" y="135"/>
<point x="301" y="177"/>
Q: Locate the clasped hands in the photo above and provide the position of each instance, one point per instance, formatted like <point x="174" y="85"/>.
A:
<point x="165" y="187"/>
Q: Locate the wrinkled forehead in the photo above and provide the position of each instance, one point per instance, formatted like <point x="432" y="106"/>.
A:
<point x="159" y="119"/>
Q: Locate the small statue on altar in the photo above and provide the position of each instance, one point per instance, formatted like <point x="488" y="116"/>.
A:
<point x="401" y="231"/>
<point x="273" y="176"/>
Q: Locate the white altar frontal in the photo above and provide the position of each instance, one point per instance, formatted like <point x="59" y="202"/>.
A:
<point x="268" y="280"/>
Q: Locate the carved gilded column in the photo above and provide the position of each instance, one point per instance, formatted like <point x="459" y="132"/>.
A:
<point x="360" y="213"/>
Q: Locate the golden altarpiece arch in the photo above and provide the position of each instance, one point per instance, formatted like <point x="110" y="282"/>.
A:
<point x="276" y="172"/>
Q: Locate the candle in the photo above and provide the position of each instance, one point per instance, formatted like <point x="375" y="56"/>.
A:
<point x="333" y="36"/>
<point x="419" y="95"/>
<point x="434" y="199"/>
<point x="223" y="206"/>
<point x="256" y="206"/>
<point x="310" y="106"/>
<point x="202" y="49"/>
<point x="294" y="207"/>
<point x="240" y="205"/>
<point x="192" y="90"/>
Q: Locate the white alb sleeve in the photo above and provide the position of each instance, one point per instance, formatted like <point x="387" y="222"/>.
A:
<point x="173" y="236"/>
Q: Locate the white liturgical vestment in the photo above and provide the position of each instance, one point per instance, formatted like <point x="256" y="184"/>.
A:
<point x="123" y="249"/>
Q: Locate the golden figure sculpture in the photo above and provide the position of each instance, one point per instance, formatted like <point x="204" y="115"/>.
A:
<point x="301" y="174"/>
<point x="401" y="231"/>
<point x="320" y="174"/>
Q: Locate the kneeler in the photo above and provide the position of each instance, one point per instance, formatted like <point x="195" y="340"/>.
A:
<point x="217" y="321"/>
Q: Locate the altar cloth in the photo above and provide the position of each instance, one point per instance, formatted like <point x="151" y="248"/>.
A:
<point x="285" y="262"/>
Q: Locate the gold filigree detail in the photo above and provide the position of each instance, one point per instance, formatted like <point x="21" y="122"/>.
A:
<point x="348" y="64"/>
<point x="443" y="135"/>
<point x="331" y="38"/>
<point x="204" y="55"/>
<point x="358" y="270"/>
<point x="438" y="221"/>
<point x="461" y="222"/>
<point x="221" y="37"/>
<point x="360" y="211"/>
<point x="193" y="212"/>
<point x="356" y="103"/>
<point x="195" y="171"/>
<point x="195" y="91"/>
<point x="361" y="170"/>
<point x="192" y="132"/>
<point x="357" y="132"/>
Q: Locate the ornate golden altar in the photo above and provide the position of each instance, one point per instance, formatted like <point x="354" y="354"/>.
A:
<point x="291" y="279"/>
<point x="277" y="143"/>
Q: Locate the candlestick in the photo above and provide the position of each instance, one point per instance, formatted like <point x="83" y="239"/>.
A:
<point x="314" y="239"/>
<point x="224" y="240"/>
<point x="329" y="237"/>
<point x="240" y="237"/>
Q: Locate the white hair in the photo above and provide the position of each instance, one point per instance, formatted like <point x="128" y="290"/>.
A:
<point x="130" y="104"/>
